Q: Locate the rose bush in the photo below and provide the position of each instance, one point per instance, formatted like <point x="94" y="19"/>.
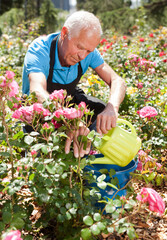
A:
<point x="43" y="189"/>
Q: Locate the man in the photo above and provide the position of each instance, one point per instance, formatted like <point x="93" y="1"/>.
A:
<point x="58" y="61"/>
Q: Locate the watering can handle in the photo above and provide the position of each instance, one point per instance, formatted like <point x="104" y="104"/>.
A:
<point x="129" y="124"/>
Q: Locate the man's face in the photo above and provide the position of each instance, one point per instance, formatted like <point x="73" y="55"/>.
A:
<point x="73" y="50"/>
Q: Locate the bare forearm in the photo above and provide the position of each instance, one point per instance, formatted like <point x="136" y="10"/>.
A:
<point x="117" y="93"/>
<point x="42" y="95"/>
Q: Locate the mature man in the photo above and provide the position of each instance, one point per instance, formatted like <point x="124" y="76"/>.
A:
<point x="58" y="61"/>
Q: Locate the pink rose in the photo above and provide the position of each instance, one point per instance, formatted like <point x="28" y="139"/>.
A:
<point x="158" y="165"/>
<point x="2" y="81"/>
<point x="14" y="88"/>
<point x="141" y="39"/>
<point x="125" y="37"/>
<point x="13" y="235"/>
<point x="33" y="152"/>
<point x="147" y="112"/>
<point x="10" y="74"/>
<point x="139" y="165"/>
<point x="140" y="85"/>
<point x="161" y="54"/>
<point x="24" y="114"/>
<point x="154" y="200"/>
<point x="58" y="113"/>
<point x="56" y="124"/>
<point x="71" y="113"/>
<point x="45" y="125"/>
<point x="57" y="94"/>
<point x="151" y="35"/>
<point x="38" y="107"/>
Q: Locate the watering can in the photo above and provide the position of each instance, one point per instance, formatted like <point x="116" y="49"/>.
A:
<point x="119" y="146"/>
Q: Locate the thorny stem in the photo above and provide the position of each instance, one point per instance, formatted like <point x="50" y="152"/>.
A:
<point x="8" y="143"/>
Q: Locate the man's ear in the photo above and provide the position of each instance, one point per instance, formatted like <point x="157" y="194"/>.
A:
<point x="64" y="33"/>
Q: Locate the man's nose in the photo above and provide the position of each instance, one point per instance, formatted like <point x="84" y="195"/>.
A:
<point x="82" y="54"/>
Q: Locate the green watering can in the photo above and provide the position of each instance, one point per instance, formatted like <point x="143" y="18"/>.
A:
<point x="119" y="146"/>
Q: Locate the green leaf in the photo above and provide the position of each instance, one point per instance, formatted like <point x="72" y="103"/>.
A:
<point x="88" y="220"/>
<point x="128" y="206"/>
<point x="18" y="135"/>
<point x="110" y="208"/>
<point x="2" y="226"/>
<point x="10" y="104"/>
<point x="68" y="216"/>
<point x="28" y="140"/>
<point x="97" y="217"/>
<point x="110" y="229"/>
<point x="31" y="177"/>
<point x="117" y="203"/>
<point x="122" y="230"/>
<point x="151" y="176"/>
<point x="112" y="185"/>
<point x="5" y="154"/>
<point x="101" y="226"/>
<point x="102" y="185"/>
<point x="33" y="134"/>
<point x="18" y="223"/>
<point x="103" y="171"/>
<point x="131" y="233"/>
<point x="86" y="234"/>
<point x="95" y="229"/>
<point x="101" y="178"/>
<point x="6" y="217"/>
<point x="41" y="167"/>
<point x="28" y="237"/>
<point x="112" y="172"/>
<point x="37" y="146"/>
<point x="90" y="136"/>
<point x="51" y="169"/>
<point x="44" y="149"/>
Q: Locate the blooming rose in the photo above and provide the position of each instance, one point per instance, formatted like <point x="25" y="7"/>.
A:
<point x="71" y="113"/>
<point x="161" y="54"/>
<point x="24" y="114"/>
<point x="147" y="112"/>
<point x="140" y="85"/>
<point x="154" y="200"/>
<point x="57" y="94"/>
<point x="38" y="107"/>
<point x="13" y="235"/>
<point x="58" y="113"/>
<point x="151" y="35"/>
<point x="45" y="125"/>
<point x="141" y="39"/>
<point x="14" y="88"/>
<point x="139" y="165"/>
<point x="10" y="74"/>
<point x="124" y="37"/>
<point x="56" y="124"/>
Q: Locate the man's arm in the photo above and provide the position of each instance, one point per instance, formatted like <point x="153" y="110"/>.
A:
<point x="107" y="119"/>
<point x="38" y="84"/>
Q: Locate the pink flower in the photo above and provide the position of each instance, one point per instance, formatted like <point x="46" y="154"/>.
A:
<point x="45" y="125"/>
<point x="24" y="114"/>
<point x="147" y="112"/>
<point x="82" y="106"/>
<point x="56" y="124"/>
<point x="13" y="235"/>
<point x="14" y="88"/>
<point x="38" y="107"/>
<point x="154" y="200"/>
<point x="2" y="81"/>
<point x="125" y="37"/>
<point x="139" y="165"/>
<point x="57" y="94"/>
<point x="141" y="39"/>
<point x="103" y="41"/>
<point x="158" y="90"/>
<point x="58" y="113"/>
<point x="158" y="165"/>
<point x="161" y="54"/>
<point x="71" y="113"/>
<point x="93" y="152"/>
<point x="140" y="85"/>
<point x="33" y="152"/>
<point x="10" y="74"/>
<point x="151" y="35"/>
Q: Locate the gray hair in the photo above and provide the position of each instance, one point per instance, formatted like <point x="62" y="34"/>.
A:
<point x="83" y="20"/>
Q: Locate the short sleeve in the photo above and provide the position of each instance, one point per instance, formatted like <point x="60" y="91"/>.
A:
<point x="96" y="59"/>
<point x="37" y="58"/>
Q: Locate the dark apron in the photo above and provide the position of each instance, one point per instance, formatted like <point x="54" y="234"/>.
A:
<point x="78" y="94"/>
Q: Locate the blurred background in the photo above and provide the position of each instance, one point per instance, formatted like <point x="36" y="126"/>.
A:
<point x="116" y="15"/>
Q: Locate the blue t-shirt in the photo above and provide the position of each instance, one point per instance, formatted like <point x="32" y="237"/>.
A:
<point x="37" y="59"/>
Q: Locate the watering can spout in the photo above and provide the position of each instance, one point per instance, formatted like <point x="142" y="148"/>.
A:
<point x="120" y="146"/>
